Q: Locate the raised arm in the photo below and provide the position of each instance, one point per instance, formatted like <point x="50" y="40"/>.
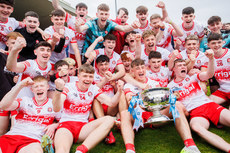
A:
<point x="58" y="98"/>
<point x="77" y="53"/>
<point x="11" y="63"/>
<point x="138" y="46"/>
<point x="164" y="11"/>
<point x="115" y="99"/>
<point x="120" y="72"/>
<point x="177" y="30"/>
<point x="127" y="28"/>
<point x="80" y="25"/>
<point x="56" y="5"/>
<point x="93" y="45"/>
<point x="211" y="67"/>
<point x="8" y="101"/>
<point x="129" y="79"/>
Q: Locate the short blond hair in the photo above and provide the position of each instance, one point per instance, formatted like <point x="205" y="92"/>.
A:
<point x="87" y="68"/>
<point x="103" y="7"/>
<point x="40" y="78"/>
<point x="191" y="37"/>
<point x="148" y="33"/>
<point x="155" y="16"/>
<point x="70" y="61"/>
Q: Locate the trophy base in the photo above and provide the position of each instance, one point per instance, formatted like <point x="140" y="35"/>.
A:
<point x="157" y="121"/>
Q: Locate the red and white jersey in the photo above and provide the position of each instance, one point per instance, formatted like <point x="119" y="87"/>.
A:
<point x="222" y="71"/>
<point x="166" y="39"/>
<point x="78" y="103"/>
<point x="132" y="52"/>
<point x="142" y="29"/>
<point x="135" y="90"/>
<point x="164" y="54"/>
<point x="197" y="29"/>
<point x="32" y="69"/>
<point x="33" y="118"/>
<point x="69" y="38"/>
<point x="107" y="88"/>
<point x="115" y="59"/>
<point x="80" y="37"/>
<point x="191" y="94"/>
<point x="201" y="59"/>
<point x="6" y="27"/>
<point x="162" y="76"/>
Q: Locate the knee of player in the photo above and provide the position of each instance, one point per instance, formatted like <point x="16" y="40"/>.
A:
<point x="109" y="120"/>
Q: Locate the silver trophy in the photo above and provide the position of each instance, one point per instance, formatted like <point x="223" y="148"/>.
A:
<point x="155" y="100"/>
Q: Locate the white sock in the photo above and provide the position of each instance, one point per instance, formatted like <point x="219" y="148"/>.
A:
<point x="130" y="151"/>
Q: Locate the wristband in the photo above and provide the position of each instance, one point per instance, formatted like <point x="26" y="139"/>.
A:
<point x="58" y="90"/>
<point x="162" y="29"/>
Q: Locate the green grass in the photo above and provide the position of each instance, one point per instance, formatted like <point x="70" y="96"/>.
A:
<point x="159" y="140"/>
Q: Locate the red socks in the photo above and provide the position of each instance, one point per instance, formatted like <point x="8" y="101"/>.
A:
<point x="130" y="146"/>
<point x="189" y="142"/>
<point x="82" y="148"/>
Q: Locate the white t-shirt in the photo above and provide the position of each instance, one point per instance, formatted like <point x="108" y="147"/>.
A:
<point x="162" y="76"/>
<point x="78" y="103"/>
<point x="191" y="95"/>
<point x="135" y="90"/>
<point x="5" y="28"/>
<point x="222" y="71"/>
<point x="80" y="37"/>
<point x="164" y="54"/>
<point x="197" y="29"/>
<point x="201" y="59"/>
<point x="69" y="38"/>
<point x="166" y="39"/>
<point x="33" y="118"/>
<point x="32" y="69"/>
<point x="115" y="59"/>
<point x="107" y="88"/>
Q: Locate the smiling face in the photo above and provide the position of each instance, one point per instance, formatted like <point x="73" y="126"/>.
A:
<point x="191" y="45"/>
<point x="40" y="89"/>
<point x="180" y="70"/>
<point x="142" y="17"/>
<point x="58" y="21"/>
<point x="85" y="80"/>
<point x="150" y="43"/>
<point x="188" y="19"/>
<point x="216" y="46"/>
<point x="103" y="67"/>
<point x="124" y="19"/>
<point x="43" y="54"/>
<point x="32" y="23"/>
<point x="139" y="72"/>
<point x="109" y="46"/>
<point x="215" y="27"/>
<point x="155" y="64"/>
<point x="81" y="12"/>
<point x="102" y="17"/>
<point x="5" y="11"/>
<point x="155" y="24"/>
<point x="131" y="39"/>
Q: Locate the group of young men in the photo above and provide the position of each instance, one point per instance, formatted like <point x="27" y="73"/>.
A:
<point x="75" y="83"/>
